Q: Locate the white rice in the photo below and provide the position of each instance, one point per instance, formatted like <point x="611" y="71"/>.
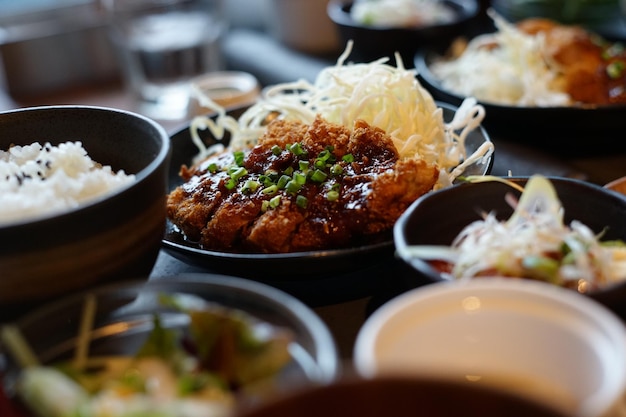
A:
<point x="38" y="180"/>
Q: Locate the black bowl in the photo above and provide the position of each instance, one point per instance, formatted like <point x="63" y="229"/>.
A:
<point x="398" y="396"/>
<point x="124" y="314"/>
<point x="437" y="218"/>
<point x="372" y="43"/>
<point x="564" y="129"/>
<point x="114" y="237"/>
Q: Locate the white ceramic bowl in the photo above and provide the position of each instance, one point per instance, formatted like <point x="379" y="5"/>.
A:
<point x="546" y="342"/>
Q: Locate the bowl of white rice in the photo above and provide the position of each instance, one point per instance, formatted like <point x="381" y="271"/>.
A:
<point x="82" y="199"/>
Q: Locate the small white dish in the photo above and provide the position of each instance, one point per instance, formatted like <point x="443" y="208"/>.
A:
<point x="535" y="339"/>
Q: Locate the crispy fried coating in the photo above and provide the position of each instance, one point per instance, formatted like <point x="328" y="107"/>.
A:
<point x="584" y="59"/>
<point x="357" y="202"/>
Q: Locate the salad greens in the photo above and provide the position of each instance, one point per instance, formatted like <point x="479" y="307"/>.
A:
<point x="195" y="372"/>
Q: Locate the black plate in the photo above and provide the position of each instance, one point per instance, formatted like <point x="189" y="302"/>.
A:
<point x="287" y="267"/>
<point x="566" y="130"/>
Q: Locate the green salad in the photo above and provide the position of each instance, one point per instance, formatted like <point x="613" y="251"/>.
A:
<point x="196" y="372"/>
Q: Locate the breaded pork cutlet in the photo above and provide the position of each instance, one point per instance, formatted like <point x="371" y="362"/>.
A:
<point x="302" y="187"/>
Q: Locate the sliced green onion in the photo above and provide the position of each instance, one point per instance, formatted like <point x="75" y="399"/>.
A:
<point x="292" y="186"/>
<point x="297" y="149"/>
<point x="265" y="180"/>
<point x="272" y="174"/>
<point x="324" y="155"/>
<point x="238" y="173"/>
<point x="302" y="201"/>
<point x="239" y="157"/>
<point x="332" y="195"/>
<point x="282" y="181"/>
<point x="250" y="185"/>
<point x="265" y="205"/>
<point x="230" y="184"/>
<point x="318" y="176"/>
<point x="348" y="158"/>
<point x="299" y="177"/>
<point x="303" y="165"/>
<point x="320" y="163"/>
<point x="212" y="168"/>
<point x="288" y="171"/>
<point x="275" y="201"/>
<point x="276" y="150"/>
<point x="272" y="189"/>
<point x="336" y="169"/>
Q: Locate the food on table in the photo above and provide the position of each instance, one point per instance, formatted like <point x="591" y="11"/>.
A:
<point x="401" y="13"/>
<point x="302" y="187"/>
<point x="195" y="372"/>
<point x="321" y="166"/>
<point x="40" y="179"/>
<point x="533" y="243"/>
<point x="536" y="62"/>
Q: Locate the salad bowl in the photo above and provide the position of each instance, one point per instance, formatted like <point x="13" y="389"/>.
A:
<point x="437" y="219"/>
<point x="135" y="319"/>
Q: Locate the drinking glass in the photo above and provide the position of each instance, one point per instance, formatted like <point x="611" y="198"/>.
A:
<point x="162" y="45"/>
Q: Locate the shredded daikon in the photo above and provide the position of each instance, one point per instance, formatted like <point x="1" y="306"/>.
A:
<point x="385" y="96"/>
<point x="508" y="67"/>
<point x="533" y="243"/>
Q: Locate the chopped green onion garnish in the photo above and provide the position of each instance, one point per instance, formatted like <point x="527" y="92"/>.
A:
<point x="272" y="174"/>
<point x="324" y="155"/>
<point x="250" y="185"/>
<point x="292" y="186"/>
<point x="302" y="201"/>
<point x="272" y="189"/>
<point x="230" y="184"/>
<point x="275" y="201"/>
<point x="212" y="168"/>
<point x="288" y="171"/>
<point x="265" y="180"/>
<point x="348" y="158"/>
<point x="303" y="165"/>
<point x="282" y="181"/>
<point x="297" y="149"/>
<point x="318" y="176"/>
<point x="238" y="173"/>
<point x="332" y="195"/>
<point x="336" y="169"/>
<point x="239" y="157"/>
<point x="265" y="205"/>
<point x="276" y="150"/>
<point x="299" y="177"/>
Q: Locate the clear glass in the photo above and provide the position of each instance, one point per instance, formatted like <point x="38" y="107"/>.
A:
<point x="162" y="45"/>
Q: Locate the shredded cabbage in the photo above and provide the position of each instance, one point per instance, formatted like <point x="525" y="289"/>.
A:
<point x="506" y="67"/>
<point x="385" y="96"/>
<point x="533" y="243"/>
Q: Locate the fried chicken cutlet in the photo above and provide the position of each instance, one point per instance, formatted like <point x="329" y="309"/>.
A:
<point x="302" y="187"/>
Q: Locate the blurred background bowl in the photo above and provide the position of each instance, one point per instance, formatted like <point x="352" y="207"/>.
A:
<point x="401" y="397"/>
<point x="371" y="43"/>
<point x="124" y="318"/>
<point x="543" y="342"/>
<point x="439" y="217"/>
<point x="114" y="237"/>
